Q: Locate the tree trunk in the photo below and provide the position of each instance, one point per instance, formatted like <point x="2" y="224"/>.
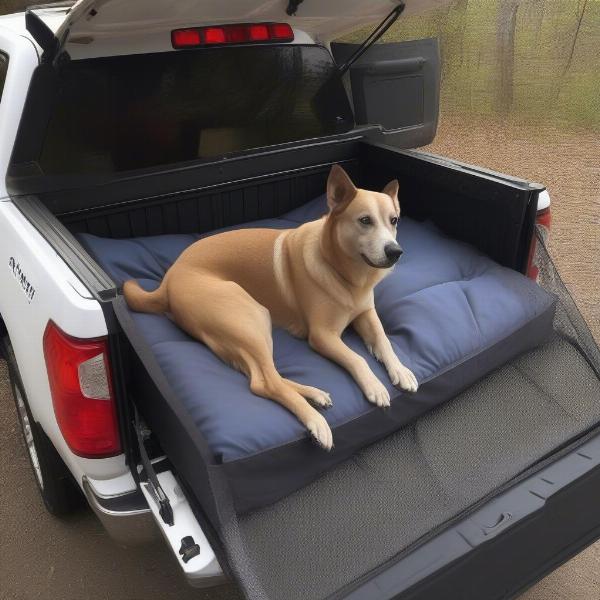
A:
<point x="505" y="44"/>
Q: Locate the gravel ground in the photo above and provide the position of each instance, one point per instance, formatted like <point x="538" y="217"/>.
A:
<point x="42" y="557"/>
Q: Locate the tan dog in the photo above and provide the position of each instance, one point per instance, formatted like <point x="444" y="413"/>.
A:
<point x="226" y="290"/>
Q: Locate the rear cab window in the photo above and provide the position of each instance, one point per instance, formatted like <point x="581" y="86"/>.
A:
<point x="131" y="112"/>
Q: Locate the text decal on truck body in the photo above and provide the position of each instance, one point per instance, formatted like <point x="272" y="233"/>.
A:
<point x="26" y="286"/>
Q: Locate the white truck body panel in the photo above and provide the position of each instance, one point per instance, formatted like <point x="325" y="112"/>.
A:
<point x="28" y="260"/>
<point x="94" y="28"/>
<point x="37" y="285"/>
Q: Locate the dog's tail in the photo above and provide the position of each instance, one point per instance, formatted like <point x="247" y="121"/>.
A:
<point x="140" y="300"/>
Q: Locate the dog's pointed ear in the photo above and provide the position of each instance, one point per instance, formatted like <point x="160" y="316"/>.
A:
<point x="340" y="189"/>
<point x="391" y="189"/>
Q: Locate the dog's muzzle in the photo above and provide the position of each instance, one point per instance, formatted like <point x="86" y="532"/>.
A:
<point x="393" y="252"/>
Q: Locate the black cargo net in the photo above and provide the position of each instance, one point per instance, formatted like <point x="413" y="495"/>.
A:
<point x="568" y="322"/>
<point x="370" y="511"/>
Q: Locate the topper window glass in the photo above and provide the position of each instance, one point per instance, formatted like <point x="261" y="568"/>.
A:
<point x="130" y="112"/>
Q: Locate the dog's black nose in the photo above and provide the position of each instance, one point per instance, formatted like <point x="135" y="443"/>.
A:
<point x="393" y="251"/>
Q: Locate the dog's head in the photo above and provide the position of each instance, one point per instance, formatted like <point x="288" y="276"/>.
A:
<point x="364" y="221"/>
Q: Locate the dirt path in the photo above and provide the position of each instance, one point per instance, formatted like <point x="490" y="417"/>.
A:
<point x="41" y="557"/>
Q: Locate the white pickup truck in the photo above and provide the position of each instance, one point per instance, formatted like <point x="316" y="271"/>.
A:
<point x="138" y="121"/>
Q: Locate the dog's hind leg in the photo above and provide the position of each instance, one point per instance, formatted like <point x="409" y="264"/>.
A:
<point x="238" y="329"/>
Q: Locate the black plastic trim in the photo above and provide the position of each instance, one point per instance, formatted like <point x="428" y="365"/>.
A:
<point x="494" y="212"/>
<point x="125" y="503"/>
<point x="63" y="195"/>
<point x="42" y="34"/>
<point x="407" y="75"/>
<point x="3" y="332"/>
<point x="517" y="182"/>
<point x="120" y="380"/>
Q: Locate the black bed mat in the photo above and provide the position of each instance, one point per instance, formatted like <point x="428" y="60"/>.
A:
<point x="375" y="505"/>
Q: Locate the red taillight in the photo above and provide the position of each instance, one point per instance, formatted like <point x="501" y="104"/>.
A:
<point x="82" y="395"/>
<point x="213" y="35"/>
<point x="282" y="32"/>
<point x="186" y="38"/>
<point x="232" y="34"/>
<point x="258" y="33"/>
<point x="543" y="221"/>
<point x="236" y="34"/>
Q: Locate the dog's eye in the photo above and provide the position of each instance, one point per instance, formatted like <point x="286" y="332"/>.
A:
<point x="366" y="220"/>
<point x="394" y="221"/>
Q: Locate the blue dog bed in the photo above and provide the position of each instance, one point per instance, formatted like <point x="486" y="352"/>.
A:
<point x="452" y="315"/>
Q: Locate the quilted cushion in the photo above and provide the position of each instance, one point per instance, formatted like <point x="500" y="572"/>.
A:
<point x="451" y="313"/>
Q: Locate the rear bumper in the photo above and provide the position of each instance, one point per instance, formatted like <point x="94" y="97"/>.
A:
<point x="130" y="522"/>
<point x="126" y="517"/>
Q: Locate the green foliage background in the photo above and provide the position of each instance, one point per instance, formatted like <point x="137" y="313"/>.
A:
<point x="527" y="60"/>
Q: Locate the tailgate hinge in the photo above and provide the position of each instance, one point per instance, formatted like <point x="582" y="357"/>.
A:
<point x="164" y="506"/>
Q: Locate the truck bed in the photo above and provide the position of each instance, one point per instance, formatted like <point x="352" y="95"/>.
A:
<point x="375" y="510"/>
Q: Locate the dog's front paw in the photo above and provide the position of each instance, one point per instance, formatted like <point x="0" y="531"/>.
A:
<point x="377" y="393"/>
<point x="402" y="377"/>
<point x="320" y="431"/>
<point x="319" y="398"/>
